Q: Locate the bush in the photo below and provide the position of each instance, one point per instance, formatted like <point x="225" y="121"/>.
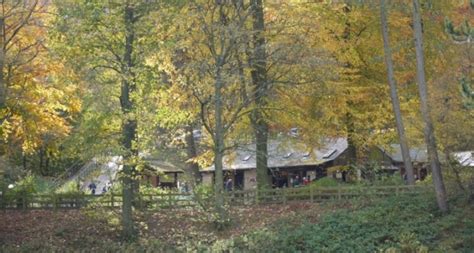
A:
<point x="395" y="224"/>
<point x="325" y="182"/>
<point x="386" y="180"/>
<point x="23" y="188"/>
<point x="71" y="186"/>
<point x="203" y="195"/>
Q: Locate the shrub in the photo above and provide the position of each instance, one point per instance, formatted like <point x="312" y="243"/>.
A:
<point x="325" y="182"/>
<point x="21" y="189"/>
<point x="395" y="224"/>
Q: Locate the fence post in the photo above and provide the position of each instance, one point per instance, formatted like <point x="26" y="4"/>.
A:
<point x="284" y="195"/>
<point x="396" y="191"/>
<point x="80" y="200"/>
<point x="112" y="199"/>
<point x="55" y="201"/>
<point x="338" y="193"/>
<point x="2" y="200"/>
<point x="24" y="201"/>
<point x="140" y="203"/>
<point x="311" y="194"/>
<point x="256" y="197"/>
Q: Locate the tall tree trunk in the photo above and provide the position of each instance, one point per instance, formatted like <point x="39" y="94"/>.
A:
<point x="219" y="142"/>
<point x="24" y="162"/>
<point x="46" y="163"/>
<point x="394" y="96"/>
<point x="192" y="168"/>
<point x="351" y="145"/>
<point x="425" y="111"/>
<point x="260" y="82"/>
<point x="41" y="159"/>
<point x="3" y="86"/>
<point x="349" y="119"/>
<point x="129" y="127"/>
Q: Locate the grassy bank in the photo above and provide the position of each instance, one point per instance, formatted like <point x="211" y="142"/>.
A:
<point x="395" y="224"/>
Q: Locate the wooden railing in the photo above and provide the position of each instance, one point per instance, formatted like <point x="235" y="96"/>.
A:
<point x="179" y="200"/>
<point x="314" y="194"/>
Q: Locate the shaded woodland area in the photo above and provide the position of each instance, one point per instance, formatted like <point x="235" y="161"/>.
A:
<point x="282" y="125"/>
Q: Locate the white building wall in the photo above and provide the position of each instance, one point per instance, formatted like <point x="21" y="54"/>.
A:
<point x="250" y="179"/>
<point x="207" y="178"/>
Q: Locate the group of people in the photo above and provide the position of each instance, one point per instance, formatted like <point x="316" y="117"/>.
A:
<point x="93" y="187"/>
<point x="183" y="187"/>
<point x="297" y="182"/>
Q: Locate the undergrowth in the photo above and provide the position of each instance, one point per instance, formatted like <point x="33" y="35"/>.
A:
<point x="393" y="224"/>
<point x="396" y="224"/>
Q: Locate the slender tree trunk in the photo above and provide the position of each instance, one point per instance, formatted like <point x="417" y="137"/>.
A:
<point x="3" y="87"/>
<point x="24" y="162"/>
<point x="219" y="142"/>
<point x="129" y="127"/>
<point x="425" y="111"/>
<point x="46" y="163"/>
<point x="41" y="159"/>
<point x="394" y="96"/>
<point x="457" y="176"/>
<point x="192" y="168"/>
<point x="351" y="145"/>
<point x="260" y="81"/>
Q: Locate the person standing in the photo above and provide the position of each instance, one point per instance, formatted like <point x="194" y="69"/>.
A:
<point x="92" y="187"/>
<point x="228" y="185"/>
<point x="305" y="181"/>
<point x="296" y="182"/>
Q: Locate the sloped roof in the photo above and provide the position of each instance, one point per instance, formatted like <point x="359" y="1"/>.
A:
<point x="394" y="151"/>
<point x="163" y="166"/>
<point x="284" y="153"/>
<point x="465" y="158"/>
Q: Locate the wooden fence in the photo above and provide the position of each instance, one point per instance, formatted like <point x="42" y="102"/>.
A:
<point x="314" y="194"/>
<point x="179" y="200"/>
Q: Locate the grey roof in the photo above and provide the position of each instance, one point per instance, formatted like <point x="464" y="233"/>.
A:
<point x="163" y="166"/>
<point x="418" y="155"/>
<point x="284" y="153"/>
<point x="465" y="158"/>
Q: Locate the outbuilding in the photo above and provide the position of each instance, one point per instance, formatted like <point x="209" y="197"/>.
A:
<point x="288" y="159"/>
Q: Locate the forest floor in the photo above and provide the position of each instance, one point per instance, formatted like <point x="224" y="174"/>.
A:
<point x="72" y="229"/>
<point x="370" y="225"/>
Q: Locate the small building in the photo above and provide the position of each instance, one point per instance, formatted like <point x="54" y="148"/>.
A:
<point x="287" y="159"/>
<point x="465" y="158"/>
<point x="162" y="174"/>
<point x="390" y="158"/>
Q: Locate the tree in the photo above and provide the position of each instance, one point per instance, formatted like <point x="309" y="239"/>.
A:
<point x="15" y="19"/>
<point x="464" y="35"/>
<point x="112" y="43"/>
<point x="349" y="99"/>
<point x="191" y="153"/>
<point x="425" y="111"/>
<point x="129" y="125"/>
<point x="212" y="74"/>
<point x="36" y="105"/>
<point x="394" y="96"/>
<point x="261" y="88"/>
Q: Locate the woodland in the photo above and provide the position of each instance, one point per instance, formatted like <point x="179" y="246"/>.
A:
<point x="83" y="80"/>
